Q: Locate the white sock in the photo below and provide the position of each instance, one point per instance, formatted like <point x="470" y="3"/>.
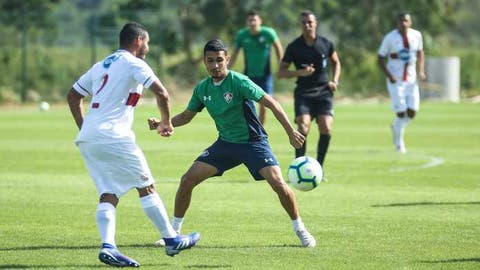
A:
<point x="298" y="224"/>
<point x="106" y="222"/>
<point x="177" y="224"/>
<point x="155" y="210"/>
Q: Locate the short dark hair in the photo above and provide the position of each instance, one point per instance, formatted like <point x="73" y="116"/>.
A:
<point x="402" y="15"/>
<point x="130" y="32"/>
<point x="253" y="12"/>
<point x="307" y="12"/>
<point x="214" y="45"/>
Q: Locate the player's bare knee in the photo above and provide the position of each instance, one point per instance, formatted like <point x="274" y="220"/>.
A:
<point x="411" y="113"/>
<point x="187" y="182"/>
<point x="109" y="198"/>
<point x="145" y="191"/>
<point x="401" y="114"/>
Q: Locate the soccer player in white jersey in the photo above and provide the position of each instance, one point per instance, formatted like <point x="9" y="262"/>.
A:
<point x="404" y="49"/>
<point x="107" y="142"/>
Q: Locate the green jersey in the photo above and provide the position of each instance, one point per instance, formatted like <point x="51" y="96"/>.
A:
<point x="256" y="49"/>
<point x="230" y="105"/>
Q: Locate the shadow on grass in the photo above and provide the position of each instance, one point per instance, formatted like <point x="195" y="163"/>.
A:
<point x="73" y="266"/>
<point x="461" y="260"/>
<point x="424" y="204"/>
<point x="204" y="266"/>
<point x="95" y="247"/>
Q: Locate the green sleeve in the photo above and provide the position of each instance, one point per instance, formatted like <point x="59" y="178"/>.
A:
<point x="272" y="35"/>
<point x="250" y="90"/>
<point x="195" y="105"/>
<point x="238" y="39"/>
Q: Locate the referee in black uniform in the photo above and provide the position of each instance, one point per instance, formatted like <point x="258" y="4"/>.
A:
<point x="312" y="54"/>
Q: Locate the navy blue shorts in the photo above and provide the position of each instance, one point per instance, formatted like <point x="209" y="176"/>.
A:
<point x="265" y="82"/>
<point x="224" y="155"/>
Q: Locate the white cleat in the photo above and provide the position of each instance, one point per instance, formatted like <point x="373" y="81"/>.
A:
<point x="401" y="149"/>
<point x="306" y="238"/>
<point x="160" y="243"/>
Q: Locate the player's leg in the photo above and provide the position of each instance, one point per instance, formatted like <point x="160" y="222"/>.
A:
<point x="303" y="119"/>
<point x="323" y="109"/>
<point x="100" y="161"/>
<point x="198" y="172"/>
<point x="266" y="83"/>
<point x="399" y="107"/>
<point x="287" y="198"/>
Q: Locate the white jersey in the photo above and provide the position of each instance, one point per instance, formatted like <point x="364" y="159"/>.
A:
<point x="115" y="84"/>
<point x="402" y="53"/>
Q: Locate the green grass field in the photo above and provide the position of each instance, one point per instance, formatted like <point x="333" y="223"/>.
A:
<point x="379" y="210"/>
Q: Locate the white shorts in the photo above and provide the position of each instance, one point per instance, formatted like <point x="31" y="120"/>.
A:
<point x="116" y="168"/>
<point x="404" y="95"/>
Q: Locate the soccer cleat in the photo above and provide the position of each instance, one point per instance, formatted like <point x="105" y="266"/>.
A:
<point x="306" y="238"/>
<point x="111" y="256"/>
<point x="173" y="246"/>
<point x="160" y="243"/>
<point x="401" y="149"/>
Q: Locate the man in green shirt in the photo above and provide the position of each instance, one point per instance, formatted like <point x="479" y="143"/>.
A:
<point x="227" y="96"/>
<point x="256" y="41"/>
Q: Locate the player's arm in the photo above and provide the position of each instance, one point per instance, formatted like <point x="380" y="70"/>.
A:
<point x="233" y="58"/>
<point x="180" y="119"/>
<point x="337" y="67"/>
<point x="284" y="72"/>
<point x="382" y="63"/>
<point x="421" y="65"/>
<point x="278" y="49"/>
<point x="295" y="137"/>
<point x="164" y="126"/>
<point x="75" y="102"/>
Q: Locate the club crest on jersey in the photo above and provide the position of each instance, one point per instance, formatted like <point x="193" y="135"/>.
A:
<point x="228" y="97"/>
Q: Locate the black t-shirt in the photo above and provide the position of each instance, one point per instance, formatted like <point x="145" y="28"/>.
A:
<point x="301" y="55"/>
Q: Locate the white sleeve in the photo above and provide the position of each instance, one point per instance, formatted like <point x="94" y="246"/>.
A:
<point x="384" y="50"/>
<point x="143" y="74"/>
<point x="420" y="41"/>
<point x="84" y="85"/>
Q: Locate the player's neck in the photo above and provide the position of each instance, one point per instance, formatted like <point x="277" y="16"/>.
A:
<point x="309" y="38"/>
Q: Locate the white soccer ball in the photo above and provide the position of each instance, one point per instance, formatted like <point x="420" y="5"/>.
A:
<point x="305" y="173"/>
<point x="44" y="106"/>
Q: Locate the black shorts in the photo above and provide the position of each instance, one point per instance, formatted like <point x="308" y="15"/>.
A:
<point x="314" y="103"/>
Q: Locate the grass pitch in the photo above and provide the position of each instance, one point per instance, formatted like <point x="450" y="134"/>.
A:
<point x="379" y="210"/>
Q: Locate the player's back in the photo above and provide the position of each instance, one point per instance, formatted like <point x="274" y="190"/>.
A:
<point x="115" y="85"/>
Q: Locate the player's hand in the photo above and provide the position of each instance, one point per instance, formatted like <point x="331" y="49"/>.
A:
<point x="392" y="79"/>
<point x="153" y="123"/>
<point x="333" y="86"/>
<point x="307" y="70"/>
<point x="165" y="128"/>
<point x="296" y="139"/>
<point x="422" y="76"/>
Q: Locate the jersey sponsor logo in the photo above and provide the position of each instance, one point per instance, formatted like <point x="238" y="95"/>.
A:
<point x="205" y="98"/>
<point x="228" y="96"/>
<point x="109" y="60"/>
<point x="404" y="55"/>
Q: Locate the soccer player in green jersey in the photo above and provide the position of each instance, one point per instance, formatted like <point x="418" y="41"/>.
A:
<point x="227" y="96"/>
<point x="256" y="41"/>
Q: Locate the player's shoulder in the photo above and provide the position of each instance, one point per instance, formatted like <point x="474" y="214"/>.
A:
<point x="267" y="29"/>
<point x="415" y="32"/>
<point x="237" y="76"/>
<point x="243" y="32"/>
<point x="323" y="39"/>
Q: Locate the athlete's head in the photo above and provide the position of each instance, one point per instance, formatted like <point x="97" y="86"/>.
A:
<point x="404" y="21"/>
<point x="308" y="22"/>
<point x="134" y="38"/>
<point x="254" y="21"/>
<point x="215" y="57"/>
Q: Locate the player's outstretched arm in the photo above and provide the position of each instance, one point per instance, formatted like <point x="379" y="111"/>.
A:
<point x="164" y="126"/>
<point x="75" y="102"/>
<point x="295" y="137"/>
<point x="178" y="120"/>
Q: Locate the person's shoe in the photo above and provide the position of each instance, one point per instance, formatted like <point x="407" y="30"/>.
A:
<point x="401" y="149"/>
<point x="306" y="238"/>
<point x="110" y="255"/>
<point x="173" y="246"/>
<point x="160" y="243"/>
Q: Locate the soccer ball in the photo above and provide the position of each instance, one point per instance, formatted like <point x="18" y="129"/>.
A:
<point x="44" y="106"/>
<point x="304" y="173"/>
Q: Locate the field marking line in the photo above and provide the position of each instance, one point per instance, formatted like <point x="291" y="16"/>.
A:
<point x="432" y="162"/>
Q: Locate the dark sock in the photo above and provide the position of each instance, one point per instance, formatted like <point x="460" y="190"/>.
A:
<point x="322" y="147"/>
<point x="300" y="152"/>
